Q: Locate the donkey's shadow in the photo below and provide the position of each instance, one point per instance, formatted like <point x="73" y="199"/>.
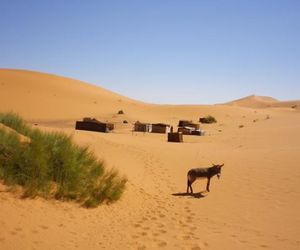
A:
<point x="193" y="195"/>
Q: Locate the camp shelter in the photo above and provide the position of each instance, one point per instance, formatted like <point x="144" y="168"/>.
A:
<point x="142" y="127"/>
<point x="185" y="131"/>
<point x="175" y="137"/>
<point x="190" y="131"/>
<point x="92" y="124"/>
<point x="198" y="132"/>
<point x="161" y="128"/>
<point x="183" y="123"/>
<point x="186" y="123"/>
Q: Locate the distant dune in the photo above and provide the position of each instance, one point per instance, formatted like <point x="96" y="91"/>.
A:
<point x="36" y="95"/>
<point x="254" y="205"/>
<point x="254" y="101"/>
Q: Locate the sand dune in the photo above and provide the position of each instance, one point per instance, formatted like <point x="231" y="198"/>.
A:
<point x="254" y="101"/>
<point x="50" y="97"/>
<point x="254" y="205"/>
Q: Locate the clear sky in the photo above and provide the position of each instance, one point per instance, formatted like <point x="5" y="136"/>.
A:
<point x="160" y="51"/>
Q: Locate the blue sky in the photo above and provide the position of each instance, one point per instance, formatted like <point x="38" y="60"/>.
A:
<point x="160" y="51"/>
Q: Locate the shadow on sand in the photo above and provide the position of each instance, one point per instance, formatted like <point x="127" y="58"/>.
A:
<point x="194" y="195"/>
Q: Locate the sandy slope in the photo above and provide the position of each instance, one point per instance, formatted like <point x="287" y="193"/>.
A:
<point x="254" y="101"/>
<point x="254" y="205"/>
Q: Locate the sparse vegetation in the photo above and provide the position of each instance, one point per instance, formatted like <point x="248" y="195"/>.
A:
<point x="208" y="119"/>
<point x="120" y="112"/>
<point x="241" y="126"/>
<point x="52" y="165"/>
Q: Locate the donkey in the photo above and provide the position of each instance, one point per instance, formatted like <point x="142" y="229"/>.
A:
<point x="196" y="173"/>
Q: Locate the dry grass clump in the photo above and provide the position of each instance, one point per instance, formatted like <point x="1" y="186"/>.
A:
<point x="53" y="166"/>
<point x="208" y="119"/>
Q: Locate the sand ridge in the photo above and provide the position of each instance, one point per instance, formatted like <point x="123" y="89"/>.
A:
<point x="254" y="205"/>
<point x="254" y="101"/>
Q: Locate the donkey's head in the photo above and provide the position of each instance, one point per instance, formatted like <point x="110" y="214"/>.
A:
<point x="218" y="169"/>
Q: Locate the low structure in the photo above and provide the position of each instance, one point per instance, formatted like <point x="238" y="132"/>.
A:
<point x="142" y="127"/>
<point x="161" y="128"/>
<point x="183" y="123"/>
<point x="198" y="132"/>
<point x="92" y="124"/>
<point x="185" y="131"/>
<point x="191" y="131"/>
<point x="189" y="128"/>
<point x="186" y="123"/>
<point x="175" y="137"/>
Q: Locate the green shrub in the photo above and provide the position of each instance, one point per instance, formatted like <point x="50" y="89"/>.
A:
<point x="15" y="122"/>
<point x="208" y="119"/>
<point x="52" y="165"/>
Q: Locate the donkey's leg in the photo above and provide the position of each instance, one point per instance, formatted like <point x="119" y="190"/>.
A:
<point x="188" y="185"/>
<point x="207" y="185"/>
<point x="191" y="180"/>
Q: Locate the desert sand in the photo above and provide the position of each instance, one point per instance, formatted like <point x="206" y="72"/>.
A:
<point x="254" y="205"/>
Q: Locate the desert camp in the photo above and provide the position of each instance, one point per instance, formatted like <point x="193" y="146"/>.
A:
<point x="149" y="125"/>
<point x="154" y="207"/>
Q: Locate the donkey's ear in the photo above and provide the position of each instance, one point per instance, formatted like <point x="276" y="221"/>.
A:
<point x="221" y="165"/>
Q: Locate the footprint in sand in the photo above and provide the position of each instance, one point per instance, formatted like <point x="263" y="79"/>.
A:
<point x="144" y="233"/>
<point x="145" y="218"/>
<point x="162" y="231"/>
<point x="161" y="243"/>
<point x="160" y="225"/>
<point x="162" y="216"/>
<point x="186" y="237"/>
<point x="182" y="224"/>
<point x="196" y="248"/>
<point x="18" y="229"/>
<point x="155" y="234"/>
<point x="44" y="227"/>
<point x="243" y="241"/>
<point x="264" y="246"/>
<point x="189" y="219"/>
<point x="187" y="209"/>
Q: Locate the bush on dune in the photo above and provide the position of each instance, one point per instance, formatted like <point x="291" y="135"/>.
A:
<point x="208" y="119"/>
<point x="52" y="165"/>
